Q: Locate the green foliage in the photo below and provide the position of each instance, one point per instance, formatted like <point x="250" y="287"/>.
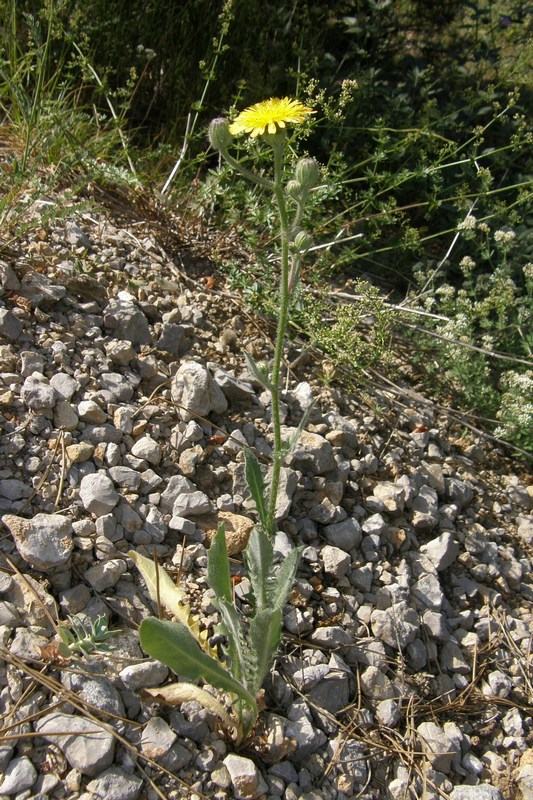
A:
<point x="516" y="409"/>
<point x="54" y="135"/>
<point x="256" y="485"/>
<point x="46" y="83"/>
<point x="171" y="643"/>
<point x="85" y="637"/>
<point x="437" y="126"/>
<point x="165" y="591"/>
<point x="355" y="335"/>
<point x="251" y="638"/>
<point x="484" y="323"/>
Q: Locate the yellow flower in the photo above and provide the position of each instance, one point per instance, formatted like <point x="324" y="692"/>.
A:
<point x="269" y="116"/>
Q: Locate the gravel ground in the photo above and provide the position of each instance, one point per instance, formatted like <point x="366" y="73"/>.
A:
<point x="405" y="667"/>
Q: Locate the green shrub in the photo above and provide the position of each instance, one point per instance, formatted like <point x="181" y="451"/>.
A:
<point x="436" y="129"/>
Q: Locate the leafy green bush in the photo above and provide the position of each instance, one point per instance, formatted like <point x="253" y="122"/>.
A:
<point x="435" y="136"/>
<point x="436" y="129"/>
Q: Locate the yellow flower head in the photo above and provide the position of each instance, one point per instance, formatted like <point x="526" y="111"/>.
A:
<point x="269" y="116"/>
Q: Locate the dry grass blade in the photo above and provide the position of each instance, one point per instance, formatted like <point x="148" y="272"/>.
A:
<point x="459" y="417"/>
<point x="92" y="713"/>
<point x="403" y="744"/>
<point x="64" y="470"/>
<point x="38" y="600"/>
<point x="524" y="660"/>
<point x="46" y="473"/>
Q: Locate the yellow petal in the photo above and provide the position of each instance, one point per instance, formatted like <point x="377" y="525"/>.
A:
<point x="269" y="116"/>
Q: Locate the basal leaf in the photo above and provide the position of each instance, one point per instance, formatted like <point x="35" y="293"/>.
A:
<point x="173" y="644"/>
<point x="161" y="587"/>
<point x="265" y="636"/>
<point x="174" y="694"/>
<point x="172" y="597"/>
<point x="258" y="558"/>
<point x="242" y="659"/>
<point x="218" y="572"/>
<point x="280" y="588"/>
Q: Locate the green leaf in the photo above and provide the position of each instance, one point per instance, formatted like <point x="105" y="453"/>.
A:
<point x="218" y="571"/>
<point x="292" y="442"/>
<point x="218" y="577"/>
<point x="258" y="558"/>
<point x="256" y="485"/>
<point x="265" y="636"/>
<point x="172" y="597"/>
<point x="279" y="590"/>
<point x="174" y="645"/>
<point x="259" y="373"/>
<point x="243" y="664"/>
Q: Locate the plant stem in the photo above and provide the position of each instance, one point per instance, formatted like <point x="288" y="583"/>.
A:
<point x="277" y="144"/>
<point x="246" y="173"/>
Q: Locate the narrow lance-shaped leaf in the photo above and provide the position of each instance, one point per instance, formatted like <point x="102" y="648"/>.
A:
<point x="293" y="441"/>
<point x="258" y="558"/>
<point x="280" y="588"/>
<point x="242" y="660"/>
<point x="172" y="644"/>
<point x="218" y="572"/>
<point x="259" y="373"/>
<point x="256" y="485"/>
<point x="265" y="636"/>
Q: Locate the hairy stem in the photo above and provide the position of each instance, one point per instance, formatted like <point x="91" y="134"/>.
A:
<point x="277" y="144"/>
<point x="246" y="173"/>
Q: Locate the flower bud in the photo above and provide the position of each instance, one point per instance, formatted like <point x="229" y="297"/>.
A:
<point x="294" y="190"/>
<point x="219" y="134"/>
<point x="307" y="172"/>
<point x="303" y="241"/>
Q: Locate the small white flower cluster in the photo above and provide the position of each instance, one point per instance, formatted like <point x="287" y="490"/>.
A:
<point x="446" y="292"/>
<point x="468" y="223"/>
<point x="504" y="237"/>
<point x="528" y="271"/>
<point x="467" y="264"/>
<point x="522" y="381"/>
<point x="348" y="89"/>
<point x="455" y="329"/>
<point x="461" y="322"/>
<point x="516" y="413"/>
<point x="147" y="52"/>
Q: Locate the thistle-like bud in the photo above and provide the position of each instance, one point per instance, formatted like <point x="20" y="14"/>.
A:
<point x="294" y="190"/>
<point x="303" y="241"/>
<point x="219" y="134"/>
<point x="307" y="173"/>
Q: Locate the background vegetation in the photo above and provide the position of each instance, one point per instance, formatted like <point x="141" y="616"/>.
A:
<point x="422" y="130"/>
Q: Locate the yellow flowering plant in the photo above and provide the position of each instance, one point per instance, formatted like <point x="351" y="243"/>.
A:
<point x="249" y="639"/>
<point x="270" y="116"/>
<point x="269" y="120"/>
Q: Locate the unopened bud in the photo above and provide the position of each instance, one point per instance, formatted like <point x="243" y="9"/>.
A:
<point x="307" y="172"/>
<point x="294" y="190"/>
<point x="219" y="134"/>
<point x="303" y="241"/>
